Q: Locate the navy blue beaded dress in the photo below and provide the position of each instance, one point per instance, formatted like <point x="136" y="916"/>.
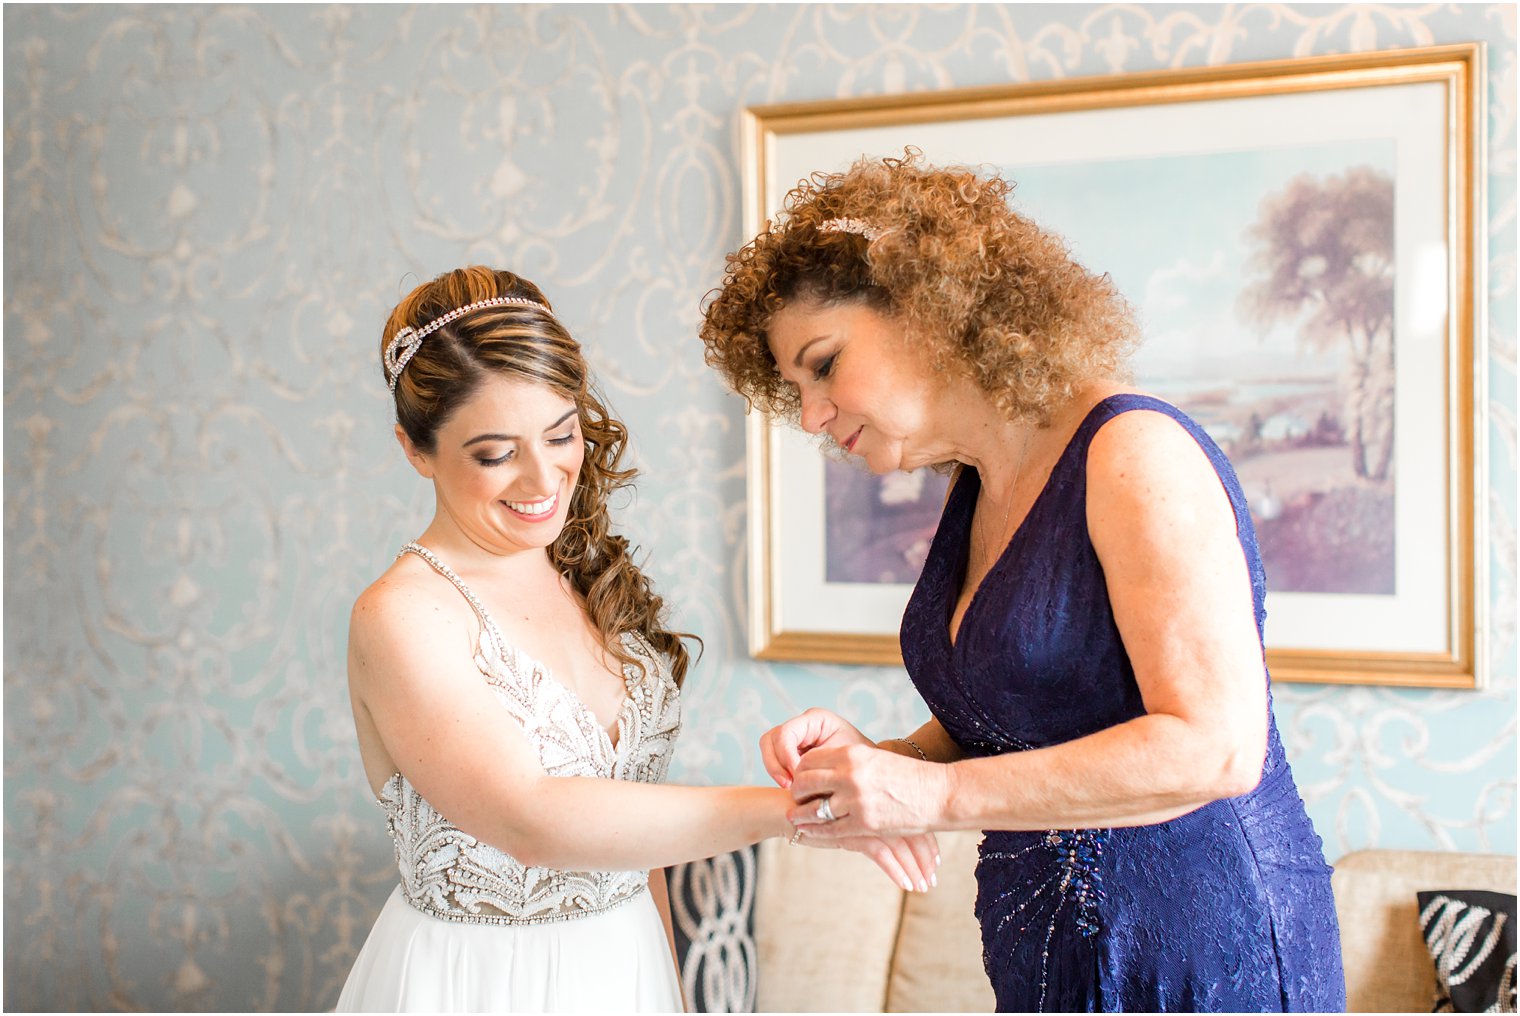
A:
<point x="1227" y="908"/>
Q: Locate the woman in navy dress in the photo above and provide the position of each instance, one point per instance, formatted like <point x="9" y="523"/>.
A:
<point x="1087" y="630"/>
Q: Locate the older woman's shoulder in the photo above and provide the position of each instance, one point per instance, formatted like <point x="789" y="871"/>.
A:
<point x="1147" y="454"/>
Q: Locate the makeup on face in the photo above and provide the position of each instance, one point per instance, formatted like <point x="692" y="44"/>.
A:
<point x="857" y="380"/>
<point x="519" y="452"/>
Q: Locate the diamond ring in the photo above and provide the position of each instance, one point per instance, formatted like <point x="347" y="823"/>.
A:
<point x="825" y="813"/>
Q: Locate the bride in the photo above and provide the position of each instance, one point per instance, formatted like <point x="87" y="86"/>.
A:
<point x="515" y="689"/>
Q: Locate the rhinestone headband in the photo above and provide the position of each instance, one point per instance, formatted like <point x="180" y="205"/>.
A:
<point x="856" y="226"/>
<point x="405" y="343"/>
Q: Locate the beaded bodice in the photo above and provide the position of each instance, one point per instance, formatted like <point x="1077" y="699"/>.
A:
<point x="450" y="874"/>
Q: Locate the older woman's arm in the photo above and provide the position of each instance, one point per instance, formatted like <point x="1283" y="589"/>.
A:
<point x="1165" y="534"/>
<point x="929" y="743"/>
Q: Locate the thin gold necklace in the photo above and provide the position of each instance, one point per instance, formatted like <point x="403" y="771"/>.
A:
<point x="988" y="544"/>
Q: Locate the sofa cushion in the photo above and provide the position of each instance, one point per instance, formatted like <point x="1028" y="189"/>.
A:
<point x="825" y="924"/>
<point x="938" y="965"/>
<point x="1387" y="966"/>
<point x="1470" y="935"/>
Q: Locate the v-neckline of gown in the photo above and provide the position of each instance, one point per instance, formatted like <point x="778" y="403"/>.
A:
<point x="489" y="632"/>
<point x="963" y="558"/>
<point x="489" y="627"/>
<point x="618" y="723"/>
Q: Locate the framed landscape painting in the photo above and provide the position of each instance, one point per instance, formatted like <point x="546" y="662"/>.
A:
<point x="1297" y="238"/>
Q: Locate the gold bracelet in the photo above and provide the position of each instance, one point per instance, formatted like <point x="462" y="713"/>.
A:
<point x="910" y="744"/>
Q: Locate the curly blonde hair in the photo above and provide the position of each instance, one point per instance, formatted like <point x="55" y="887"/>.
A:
<point x="984" y="290"/>
<point x="527" y="344"/>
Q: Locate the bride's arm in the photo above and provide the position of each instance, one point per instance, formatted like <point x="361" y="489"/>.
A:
<point x="411" y="671"/>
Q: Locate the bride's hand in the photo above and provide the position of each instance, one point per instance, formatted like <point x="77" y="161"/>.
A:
<point x="783" y="746"/>
<point x="910" y="861"/>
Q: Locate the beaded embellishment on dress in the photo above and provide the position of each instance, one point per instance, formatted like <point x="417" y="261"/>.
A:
<point x="1073" y="879"/>
<point x="447" y="873"/>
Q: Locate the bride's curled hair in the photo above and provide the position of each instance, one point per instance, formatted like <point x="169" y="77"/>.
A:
<point x="526" y="344"/>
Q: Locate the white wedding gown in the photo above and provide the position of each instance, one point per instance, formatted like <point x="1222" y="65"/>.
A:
<point x="470" y="929"/>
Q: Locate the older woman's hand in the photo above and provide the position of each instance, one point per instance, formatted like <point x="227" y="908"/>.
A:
<point x="782" y="747"/>
<point x="863" y="790"/>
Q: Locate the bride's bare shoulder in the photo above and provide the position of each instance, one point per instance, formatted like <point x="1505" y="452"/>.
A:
<point x="408" y="600"/>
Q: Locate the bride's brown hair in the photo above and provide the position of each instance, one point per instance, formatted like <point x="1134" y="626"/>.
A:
<point x="525" y="343"/>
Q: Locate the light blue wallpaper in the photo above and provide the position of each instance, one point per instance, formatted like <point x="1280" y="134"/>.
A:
<point x="207" y="212"/>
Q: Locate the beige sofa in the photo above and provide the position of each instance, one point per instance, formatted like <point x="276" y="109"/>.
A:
<point x="1387" y="966"/>
<point x="833" y="935"/>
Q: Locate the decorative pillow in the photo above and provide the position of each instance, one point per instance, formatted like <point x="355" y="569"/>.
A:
<point x="1471" y="937"/>
<point x="712" y="911"/>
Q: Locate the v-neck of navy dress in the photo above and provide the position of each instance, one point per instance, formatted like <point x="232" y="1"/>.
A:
<point x="1226" y="908"/>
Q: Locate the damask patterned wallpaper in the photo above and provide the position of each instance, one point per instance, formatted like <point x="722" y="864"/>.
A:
<point x="207" y="212"/>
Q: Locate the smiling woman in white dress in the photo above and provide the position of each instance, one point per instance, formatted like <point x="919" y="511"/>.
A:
<point x="515" y="689"/>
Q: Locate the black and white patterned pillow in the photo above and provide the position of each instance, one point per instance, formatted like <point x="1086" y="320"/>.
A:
<point x="1471" y="937"/>
<point x="712" y="910"/>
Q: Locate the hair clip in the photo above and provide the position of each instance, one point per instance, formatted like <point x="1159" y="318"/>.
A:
<point x="856" y="226"/>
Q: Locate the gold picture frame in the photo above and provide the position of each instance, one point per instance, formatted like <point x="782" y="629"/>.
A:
<point x="1431" y="99"/>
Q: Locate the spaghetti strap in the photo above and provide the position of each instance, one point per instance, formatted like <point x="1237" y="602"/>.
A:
<point x="486" y="624"/>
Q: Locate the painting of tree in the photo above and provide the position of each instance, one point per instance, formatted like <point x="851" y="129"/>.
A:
<point x="1264" y="281"/>
<point x="1322" y="253"/>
